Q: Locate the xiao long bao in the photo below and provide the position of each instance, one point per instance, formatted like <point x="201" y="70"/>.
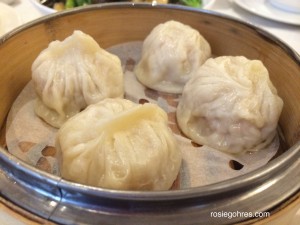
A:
<point x="72" y="74"/>
<point x="230" y="104"/>
<point x="170" y="54"/>
<point x="119" y="144"/>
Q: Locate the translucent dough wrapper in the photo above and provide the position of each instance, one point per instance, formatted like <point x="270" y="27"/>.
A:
<point x="119" y="144"/>
<point x="72" y="74"/>
<point x="170" y="55"/>
<point x="231" y="105"/>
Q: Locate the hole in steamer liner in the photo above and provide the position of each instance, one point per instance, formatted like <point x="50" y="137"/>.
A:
<point x="143" y="101"/>
<point x="235" y="165"/>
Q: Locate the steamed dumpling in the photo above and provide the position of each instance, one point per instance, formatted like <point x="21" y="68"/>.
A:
<point x="72" y="74"/>
<point x="230" y="104"/>
<point x="119" y="144"/>
<point x="170" y="54"/>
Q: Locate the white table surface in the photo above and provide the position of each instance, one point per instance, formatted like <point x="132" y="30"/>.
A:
<point x="290" y="34"/>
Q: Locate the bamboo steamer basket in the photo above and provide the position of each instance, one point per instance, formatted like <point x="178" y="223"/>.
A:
<point x="273" y="188"/>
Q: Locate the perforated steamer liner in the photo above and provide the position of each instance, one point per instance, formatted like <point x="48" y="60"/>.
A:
<point x="62" y="201"/>
<point x="201" y="165"/>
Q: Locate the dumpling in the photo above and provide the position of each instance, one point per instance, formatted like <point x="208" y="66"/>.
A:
<point x="72" y="74"/>
<point x="170" y="54"/>
<point x="230" y="104"/>
<point x="118" y="144"/>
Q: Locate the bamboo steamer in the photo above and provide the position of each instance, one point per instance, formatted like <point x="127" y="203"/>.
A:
<point x="45" y="197"/>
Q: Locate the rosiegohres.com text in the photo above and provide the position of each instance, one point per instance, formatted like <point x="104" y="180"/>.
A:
<point x="239" y="214"/>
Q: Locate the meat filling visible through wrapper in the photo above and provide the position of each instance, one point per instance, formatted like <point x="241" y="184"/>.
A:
<point x="230" y="104"/>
